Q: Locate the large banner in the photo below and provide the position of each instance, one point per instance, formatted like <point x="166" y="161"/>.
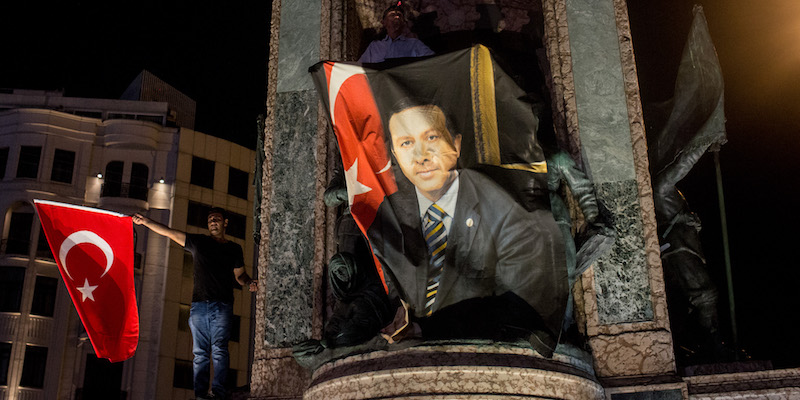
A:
<point x="446" y="179"/>
<point x="94" y="252"/>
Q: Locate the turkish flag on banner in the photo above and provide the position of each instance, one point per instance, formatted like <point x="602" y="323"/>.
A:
<point x="94" y="252"/>
<point x="357" y="124"/>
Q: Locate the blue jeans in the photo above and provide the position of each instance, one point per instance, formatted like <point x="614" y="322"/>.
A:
<point x="210" y="322"/>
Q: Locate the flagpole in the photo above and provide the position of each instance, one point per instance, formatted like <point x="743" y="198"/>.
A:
<point x="726" y="249"/>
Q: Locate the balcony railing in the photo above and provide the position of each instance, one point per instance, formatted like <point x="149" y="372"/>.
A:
<point x="8" y="322"/>
<point x="39" y="329"/>
<point x="30" y="394"/>
<point x="126" y="190"/>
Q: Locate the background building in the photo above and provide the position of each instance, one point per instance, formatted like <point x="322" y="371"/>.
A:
<point x="127" y="156"/>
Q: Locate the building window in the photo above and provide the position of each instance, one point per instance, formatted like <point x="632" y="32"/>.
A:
<point x="102" y="379"/>
<point x="11" y="280"/>
<point x="90" y="114"/>
<point x="197" y="215"/>
<point x="33" y="368"/>
<point x="19" y="233"/>
<point x="63" y="166"/>
<point x="42" y="248"/>
<point x="158" y="119"/>
<point x="137" y="261"/>
<point x="182" y="374"/>
<point x="112" y="180"/>
<point x="202" y="172"/>
<point x="121" y="116"/>
<point x="236" y="324"/>
<point x="29" y="157"/>
<point x="5" y="359"/>
<point x="183" y="317"/>
<point x="138" y="186"/>
<point x="3" y="162"/>
<point x="44" y="296"/>
<point x="236" y="225"/>
<point x="237" y="183"/>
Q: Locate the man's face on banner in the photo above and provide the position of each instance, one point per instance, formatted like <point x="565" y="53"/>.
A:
<point x="425" y="150"/>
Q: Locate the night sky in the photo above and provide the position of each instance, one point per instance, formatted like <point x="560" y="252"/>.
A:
<point x="213" y="51"/>
<point x="216" y="52"/>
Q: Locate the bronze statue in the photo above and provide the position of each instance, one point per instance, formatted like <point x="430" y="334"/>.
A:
<point x="693" y="123"/>
<point x="596" y="238"/>
<point x="362" y="306"/>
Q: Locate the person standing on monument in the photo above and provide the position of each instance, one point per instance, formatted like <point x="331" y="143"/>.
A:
<point x="217" y="262"/>
<point x="397" y="43"/>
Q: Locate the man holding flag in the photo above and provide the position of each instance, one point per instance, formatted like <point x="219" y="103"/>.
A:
<point x="217" y="262"/>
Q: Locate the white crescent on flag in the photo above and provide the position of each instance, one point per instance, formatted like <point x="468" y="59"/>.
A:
<point x="85" y="237"/>
<point x="339" y="74"/>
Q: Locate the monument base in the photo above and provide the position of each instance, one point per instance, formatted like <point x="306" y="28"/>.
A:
<point x="454" y="372"/>
<point x="728" y="381"/>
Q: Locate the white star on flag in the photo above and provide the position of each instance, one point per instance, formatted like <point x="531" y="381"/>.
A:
<point x="354" y="187"/>
<point x="87" y="290"/>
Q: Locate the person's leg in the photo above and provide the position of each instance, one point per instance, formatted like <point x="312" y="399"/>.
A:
<point x="222" y="317"/>
<point x="201" y="344"/>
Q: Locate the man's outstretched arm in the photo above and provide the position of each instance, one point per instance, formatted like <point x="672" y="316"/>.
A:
<point x="177" y="236"/>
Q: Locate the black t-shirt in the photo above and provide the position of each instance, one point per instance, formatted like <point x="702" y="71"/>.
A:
<point x="213" y="267"/>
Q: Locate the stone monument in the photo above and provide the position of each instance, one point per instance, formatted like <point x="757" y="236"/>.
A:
<point x="578" y="55"/>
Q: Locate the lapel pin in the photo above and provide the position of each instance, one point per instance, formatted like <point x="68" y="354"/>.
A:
<point x="470" y="222"/>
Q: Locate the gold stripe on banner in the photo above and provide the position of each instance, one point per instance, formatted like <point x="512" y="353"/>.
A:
<point x="538" y="167"/>
<point x="484" y="112"/>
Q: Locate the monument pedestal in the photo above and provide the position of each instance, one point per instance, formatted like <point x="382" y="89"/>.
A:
<point x="454" y="372"/>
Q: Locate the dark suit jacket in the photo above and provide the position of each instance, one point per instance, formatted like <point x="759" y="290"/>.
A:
<point x="494" y="248"/>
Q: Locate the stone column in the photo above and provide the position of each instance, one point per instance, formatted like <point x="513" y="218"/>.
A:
<point x="596" y="91"/>
<point x="294" y="220"/>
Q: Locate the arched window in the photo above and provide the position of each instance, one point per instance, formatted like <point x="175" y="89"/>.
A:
<point x="138" y="186"/>
<point x="112" y="180"/>
<point x="42" y="247"/>
<point x="20" y="224"/>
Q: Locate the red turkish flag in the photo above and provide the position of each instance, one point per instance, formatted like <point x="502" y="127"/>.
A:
<point x="94" y="252"/>
<point x="357" y="124"/>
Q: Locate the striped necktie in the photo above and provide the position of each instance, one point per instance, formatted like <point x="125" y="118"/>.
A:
<point x="436" y="239"/>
